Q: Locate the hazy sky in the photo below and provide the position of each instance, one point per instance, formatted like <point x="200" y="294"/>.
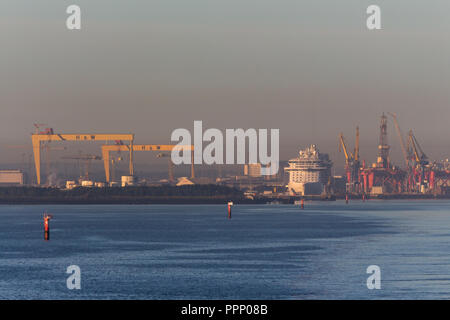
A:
<point x="310" y="68"/>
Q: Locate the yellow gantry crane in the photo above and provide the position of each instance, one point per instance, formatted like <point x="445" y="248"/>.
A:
<point x="106" y="149"/>
<point x="352" y="164"/>
<point x="417" y="153"/>
<point x="418" y="157"/>
<point x="38" y="138"/>
<point x="343" y="147"/>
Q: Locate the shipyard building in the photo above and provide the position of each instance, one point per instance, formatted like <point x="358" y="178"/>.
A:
<point x="11" y="178"/>
<point x="252" y="170"/>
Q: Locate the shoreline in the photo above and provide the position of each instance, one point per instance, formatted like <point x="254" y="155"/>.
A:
<point x="197" y="200"/>
<point x="194" y="194"/>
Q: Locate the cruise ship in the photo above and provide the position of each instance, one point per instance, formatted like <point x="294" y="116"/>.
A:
<point x="309" y="173"/>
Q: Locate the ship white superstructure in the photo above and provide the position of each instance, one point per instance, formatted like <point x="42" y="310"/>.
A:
<point x="309" y="173"/>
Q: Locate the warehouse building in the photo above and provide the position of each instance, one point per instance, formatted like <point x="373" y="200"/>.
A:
<point x="11" y="178"/>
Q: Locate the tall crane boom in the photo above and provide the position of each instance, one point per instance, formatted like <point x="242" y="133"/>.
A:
<point x="356" y="152"/>
<point x="348" y="156"/>
<point x="383" y="147"/>
<point x="352" y="165"/>
<point x="419" y="156"/>
<point x="400" y="137"/>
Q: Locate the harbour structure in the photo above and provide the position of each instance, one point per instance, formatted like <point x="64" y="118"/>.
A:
<point x="49" y="135"/>
<point x="424" y="175"/>
<point x="252" y="170"/>
<point x="309" y="173"/>
<point x="420" y="175"/>
<point x="382" y="177"/>
<point x="352" y="164"/>
<point x="106" y="149"/>
<point x="11" y="178"/>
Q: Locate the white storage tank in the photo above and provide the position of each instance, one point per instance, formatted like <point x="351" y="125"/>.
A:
<point x="87" y="183"/>
<point x="376" y="190"/>
<point x="70" y="184"/>
<point x="127" y="181"/>
<point x="423" y="189"/>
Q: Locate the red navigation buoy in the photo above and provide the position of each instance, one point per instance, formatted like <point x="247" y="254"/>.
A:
<point x="47" y="218"/>
<point x="230" y="204"/>
<point x="302" y="203"/>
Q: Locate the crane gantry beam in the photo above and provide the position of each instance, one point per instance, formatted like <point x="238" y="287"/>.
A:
<point x="42" y="137"/>
<point x="106" y="149"/>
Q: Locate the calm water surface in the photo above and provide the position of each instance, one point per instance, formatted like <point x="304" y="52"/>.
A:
<point x="194" y="252"/>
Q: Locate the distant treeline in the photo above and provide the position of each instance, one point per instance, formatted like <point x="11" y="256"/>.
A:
<point x="115" y="195"/>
